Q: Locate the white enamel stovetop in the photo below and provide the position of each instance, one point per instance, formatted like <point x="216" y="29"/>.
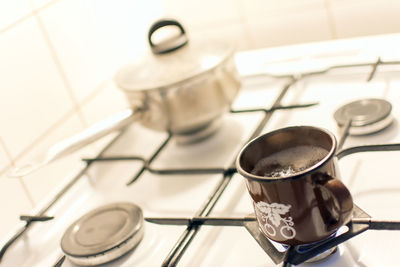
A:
<point x="371" y="177"/>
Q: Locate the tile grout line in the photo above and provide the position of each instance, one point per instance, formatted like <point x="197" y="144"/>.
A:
<point x="76" y="108"/>
<point x="245" y="23"/>
<point x="331" y="19"/>
<point x="27" y="192"/>
<point x="40" y="138"/>
<point x="21" y="181"/>
<point x="208" y="25"/>
<point x="27" y="16"/>
<point x="54" y="126"/>
<point x="98" y="89"/>
<point x="60" y="69"/>
<point x="8" y="154"/>
<point x="15" y="23"/>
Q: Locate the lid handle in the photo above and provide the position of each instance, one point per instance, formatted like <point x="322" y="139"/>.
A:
<point x="171" y="44"/>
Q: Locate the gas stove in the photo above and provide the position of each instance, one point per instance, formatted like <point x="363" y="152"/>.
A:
<point x="299" y="85"/>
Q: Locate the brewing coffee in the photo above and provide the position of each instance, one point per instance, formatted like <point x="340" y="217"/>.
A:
<point x="293" y="179"/>
<point x="289" y="161"/>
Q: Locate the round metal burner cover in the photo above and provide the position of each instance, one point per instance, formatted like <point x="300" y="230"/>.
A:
<point x="102" y="229"/>
<point x="363" y="112"/>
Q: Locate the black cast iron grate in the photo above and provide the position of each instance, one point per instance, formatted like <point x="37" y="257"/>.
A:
<point x="292" y="255"/>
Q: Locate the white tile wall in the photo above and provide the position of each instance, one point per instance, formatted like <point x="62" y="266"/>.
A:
<point x="284" y="27"/>
<point x="233" y="31"/>
<point x="91" y="37"/>
<point x="35" y="4"/>
<point x="57" y="58"/>
<point x="202" y="13"/>
<point x="44" y="180"/>
<point x="369" y="17"/>
<point x="109" y="98"/>
<point x="32" y="93"/>
<point x="5" y="159"/>
<point x="266" y="8"/>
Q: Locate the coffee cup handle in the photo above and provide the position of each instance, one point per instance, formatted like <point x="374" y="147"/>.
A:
<point x="334" y="200"/>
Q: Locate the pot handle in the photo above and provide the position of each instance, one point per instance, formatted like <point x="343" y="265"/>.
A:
<point x="171" y="44"/>
<point x="68" y="146"/>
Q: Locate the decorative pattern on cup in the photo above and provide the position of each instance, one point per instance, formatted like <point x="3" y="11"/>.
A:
<point x="273" y="219"/>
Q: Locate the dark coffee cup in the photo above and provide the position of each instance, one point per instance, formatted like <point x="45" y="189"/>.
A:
<point x="293" y="179"/>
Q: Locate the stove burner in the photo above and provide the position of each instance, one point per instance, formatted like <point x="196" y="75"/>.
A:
<point x="320" y="257"/>
<point x="367" y="115"/>
<point x="104" y="234"/>
<point x="278" y="251"/>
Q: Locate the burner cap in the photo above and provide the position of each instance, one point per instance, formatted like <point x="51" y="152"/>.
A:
<point x="367" y="115"/>
<point x="104" y="234"/>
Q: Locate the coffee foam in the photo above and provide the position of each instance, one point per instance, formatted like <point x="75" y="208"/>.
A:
<point x="289" y="161"/>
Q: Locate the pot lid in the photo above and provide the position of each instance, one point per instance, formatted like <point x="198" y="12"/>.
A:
<point x="173" y="60"/>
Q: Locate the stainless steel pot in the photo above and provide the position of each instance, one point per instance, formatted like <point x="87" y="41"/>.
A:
<point x="182" y="87"/>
